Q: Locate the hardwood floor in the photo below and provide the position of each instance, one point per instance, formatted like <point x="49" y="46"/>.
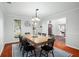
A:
<point x="7" y="51"/>
<point x="61" y="45"/>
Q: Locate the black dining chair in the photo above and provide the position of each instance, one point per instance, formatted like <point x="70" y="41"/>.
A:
<point x="39" y="33"/>
<point x="49" y="47"/>
<point x="44" y="34"/>
<point x="27" y="33"/>
<point x="22" y="41"/>
<point x="28" y="48"/>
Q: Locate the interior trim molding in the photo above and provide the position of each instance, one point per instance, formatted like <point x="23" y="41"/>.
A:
<point x="2" y="49"/>
<point x="72" y="47"/>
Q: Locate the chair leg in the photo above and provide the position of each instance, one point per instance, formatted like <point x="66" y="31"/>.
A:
<point x="27" y="54"/>
<point x="46" y="54"/>
<point x="20" y="48"/>
<point x="35" y="53"/>
<point x="32" y="52"/>
<point x="40" y="52"/>
<point x="52" y="53"/>
<point x="19" y="44"/>
<point x="23" y="52"/>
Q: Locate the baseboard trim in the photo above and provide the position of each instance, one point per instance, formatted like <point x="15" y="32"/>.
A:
<point x="72" y="47"/>
<point x="2" y="49"/>
<point x="12" y="43"/>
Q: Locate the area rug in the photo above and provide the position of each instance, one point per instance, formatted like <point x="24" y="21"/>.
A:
<point x="57" y="52"/>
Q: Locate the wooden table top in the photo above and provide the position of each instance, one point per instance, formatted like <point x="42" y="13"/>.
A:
<point x="37" y="40"/>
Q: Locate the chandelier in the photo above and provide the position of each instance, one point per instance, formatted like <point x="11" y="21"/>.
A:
<point x="35" y="22"/>
<point x="36" y="16"/>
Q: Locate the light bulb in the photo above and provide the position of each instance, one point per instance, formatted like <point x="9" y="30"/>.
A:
<point x="33" y="19"/>
<point x="37" y="19"/>
<point x="35" y="23"/>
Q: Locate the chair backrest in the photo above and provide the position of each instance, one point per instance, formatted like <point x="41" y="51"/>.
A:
<point x="51" y="35"/>
<point x="39" y="33"/>
<point x="20" y="38"/>
<point x="44" y="34"/>
<point x="25" y="42"/>
<point x="27" y="33"/>
<point x="51" y="41"/>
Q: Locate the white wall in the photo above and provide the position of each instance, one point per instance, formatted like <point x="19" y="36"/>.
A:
<point x="24" y="27"/>
<point x="9" y="27"/>
<point x="72" y="28"/>
<point x="45" y="27"/>
<point x="1" y="32"/>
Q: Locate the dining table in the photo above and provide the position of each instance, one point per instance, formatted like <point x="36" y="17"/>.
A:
<point x="37" y="40"/>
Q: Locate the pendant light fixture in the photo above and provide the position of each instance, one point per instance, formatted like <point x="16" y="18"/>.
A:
<point x="36" y="16"/>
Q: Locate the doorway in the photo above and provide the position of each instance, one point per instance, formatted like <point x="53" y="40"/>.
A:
<point x="59" y="29"/>
<point x="62" y="29"/>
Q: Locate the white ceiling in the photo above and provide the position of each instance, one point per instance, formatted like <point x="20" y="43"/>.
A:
<point x="45" y="8"/>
